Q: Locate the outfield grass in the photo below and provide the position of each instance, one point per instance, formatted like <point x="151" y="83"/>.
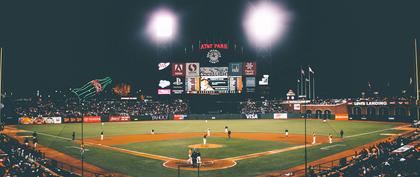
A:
<point x="140" y="166"/>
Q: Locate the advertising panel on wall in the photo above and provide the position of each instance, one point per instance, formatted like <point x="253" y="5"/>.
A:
<point x="213" y="71"/>
<point x="164" y="91"/>
<point x="192" y="84"/>
<point x="250" y="68"/>
<point x="192" y="70"/>
<point x="178" y="86"/>
<point x="296" y="107"/>
<point x="341" y="117"/>
<point x="251" y="116"/>
<point x="180" y="117"/>
<point x="280" y="115"/>
<point x="178" y="69"/>
<point x="250" y="84"/>
<point x="52" y="120"/>
<point x="235" y="84"/>
<point x="119" y="118"/>
<point x="72" y="120"/>
<point x="91" y="119"/>
<point x="160" y="117"/>
<point x="25" y="120"/>
<point x="235" y="69"/>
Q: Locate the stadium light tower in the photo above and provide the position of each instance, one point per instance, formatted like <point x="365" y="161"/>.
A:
<point x="162" y="26"/>
<point x="265" y="23"/>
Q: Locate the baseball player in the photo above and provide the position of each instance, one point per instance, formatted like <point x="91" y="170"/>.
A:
<point x="152" y="131"/>
<point x="286" y="132"/>
<point x="226" y="129"/>
<point x="330" y="138"/>
<point x="208" y="131"/>
<point x="189" y="161"/>
<point x="341" y="133"/>
<point x="205" y="139"/>
<point x="73" y="136"/>
<point x="229" y="134"/>
<point x="198" y="158"/>
<point x="102" y="135"/>
<point x="313" y="138"/>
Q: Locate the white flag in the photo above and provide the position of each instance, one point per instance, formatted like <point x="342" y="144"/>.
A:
<point x="310" y="70"/>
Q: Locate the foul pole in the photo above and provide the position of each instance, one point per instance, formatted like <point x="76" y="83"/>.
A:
<point x="417" y="78"/>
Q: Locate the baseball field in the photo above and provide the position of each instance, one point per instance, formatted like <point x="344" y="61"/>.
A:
<point x="257" y="147"/>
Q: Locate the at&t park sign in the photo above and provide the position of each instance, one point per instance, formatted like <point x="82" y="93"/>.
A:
<point x="370" y="103"/>
<point x="214" y="46"/>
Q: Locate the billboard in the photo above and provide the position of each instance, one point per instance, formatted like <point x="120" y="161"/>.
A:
<point x="213" y="71"/>
<point x="119" y="118"/>
<point x="178" y="86"/>
<point x="91" y="119"/>
<point x="235" y="69"/>
<point x="192" y="70"/>
<point x="179" y="116"/>
<point x="192" y="84"/>
<point x="264" y="80"/>
<point x="72" y="120"/>
<point x="235" y="84"/>
<point x="250" y="68"/>
<point x="178" y="69"/>
<point x="164" y="91"/>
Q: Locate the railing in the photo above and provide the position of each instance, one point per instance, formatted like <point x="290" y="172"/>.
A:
<point x="76" y="170"/>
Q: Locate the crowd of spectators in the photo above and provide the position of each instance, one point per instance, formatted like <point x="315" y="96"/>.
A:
<point x="380" y="160"/>
<point x="261" y="107"/>
<point x="18" y="159"/>
<point x="72" y="108"/>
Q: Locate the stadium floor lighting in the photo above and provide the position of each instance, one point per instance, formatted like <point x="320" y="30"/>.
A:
<point x="265" y="23"/>
<point x="162" y="25"/>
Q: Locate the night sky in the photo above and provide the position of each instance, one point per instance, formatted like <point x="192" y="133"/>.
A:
<point x="51" y="44"/>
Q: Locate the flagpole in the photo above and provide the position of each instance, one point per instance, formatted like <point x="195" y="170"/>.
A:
<point x="1" y="80"/>
<point x="301" y="81"/>
<point x="297" y="87"/>
<point x="313" y="87"/>
<point x="309" y="74"/>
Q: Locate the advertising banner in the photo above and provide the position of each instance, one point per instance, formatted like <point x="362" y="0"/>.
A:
<point x="235" y="84"/>
<point x="119" y="118"/>
<point x="164" y="91"/>
<point x="38" y="120"/>
<point x="280" y="115"/>
<point x="235" y="69"/>
<point x="178" y="69"/>
<point x="25" y="120"/>
<point x="179" y="117"/>
<point x="192" y="84"/>
<point x="159" y="117"/>
<point x="52" y="120"/>
<point x="72" y="120"/>
<point x="92" y="119"/>
<point x="213" y="71"/>
<point x="296" y="107"/>
<point x="250" y="68"/>
<point x="192" y="70"/>
<point x="251" y="116"/>
<point x="178" y="86"/>
<point x="250" y="81"/>
<point x="341" y="117"/>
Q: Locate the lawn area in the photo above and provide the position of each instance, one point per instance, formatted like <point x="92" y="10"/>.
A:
<point x="49" y="135"/>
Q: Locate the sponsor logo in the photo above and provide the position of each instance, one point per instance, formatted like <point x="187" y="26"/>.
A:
<point x="178" y="69"/>
<point x="250" y="68"/>
<point x="164" y="91"/>
<point x="250" y="82"/>
<point x="251" y="116"/>
<point x="164" y="83"/>
<point x="214" y="56"/>
<point x="159" y="117"/>
<point x="192" y="69"/>
<point x="162" y="66"/>
<point x="178" y="81"/>
<point x="264" y="80"/>
<point x="177" y="91"/>
<point x="280" y="115"/>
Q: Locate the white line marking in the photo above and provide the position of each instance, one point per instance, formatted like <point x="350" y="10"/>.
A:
<point x="335" y="145"/>
<point x="367" y="133"/>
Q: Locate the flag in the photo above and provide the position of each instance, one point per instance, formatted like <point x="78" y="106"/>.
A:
<point x="369" y="85"/>
<point x="310" y="70"/>
<point x="298" y="81"/>
<point x="306" y="79"/>
<point x="302" y="71"/>
<point x="91" y="88"/>
<point x="411" y="80"/>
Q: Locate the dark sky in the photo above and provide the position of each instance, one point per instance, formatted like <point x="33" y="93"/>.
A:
<point x="51" y="44"/>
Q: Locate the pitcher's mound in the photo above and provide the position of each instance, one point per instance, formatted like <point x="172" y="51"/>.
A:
<point x="207" y="164"/>
<point x="203" y="146"/>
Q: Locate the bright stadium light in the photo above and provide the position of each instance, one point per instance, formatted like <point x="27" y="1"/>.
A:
<point x="265" y="23"/>
<point x="162" y="25"/>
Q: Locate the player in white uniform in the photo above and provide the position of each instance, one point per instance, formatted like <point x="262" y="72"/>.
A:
<point x="208" y="131"/>
<point x="205" y="139"/>
<point x="313" y="138"/>
<point x="330" y="138"/>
